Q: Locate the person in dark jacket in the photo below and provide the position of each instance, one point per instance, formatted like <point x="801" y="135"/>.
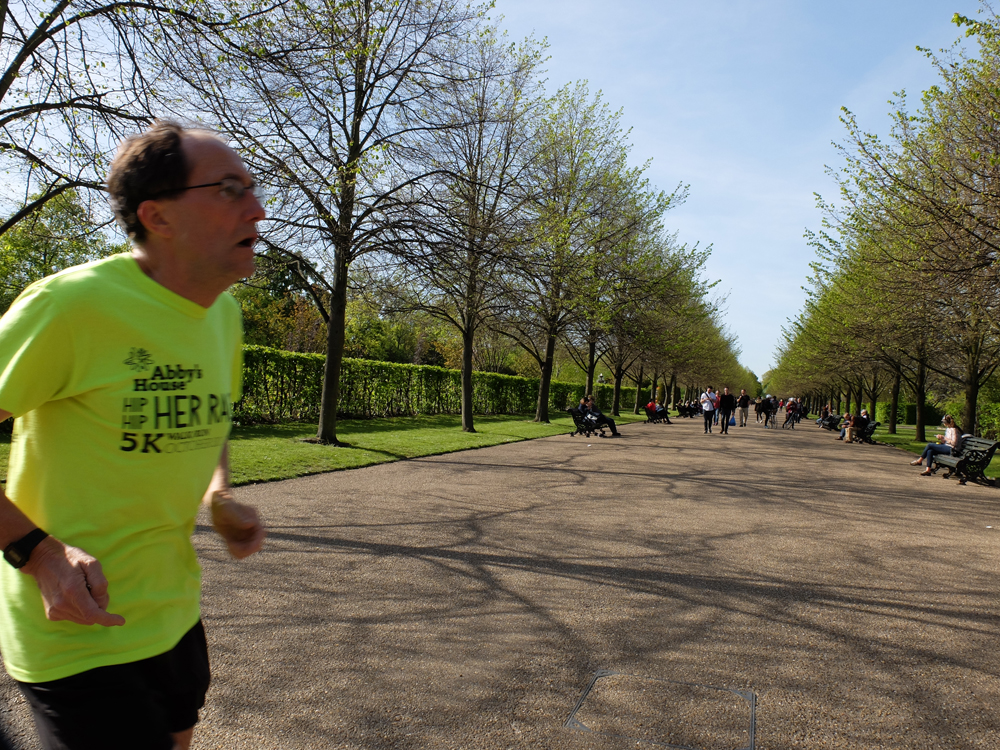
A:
<point x="599" y="419"/>
<point x="743" y="407"/>
<point x="727" y="405"/>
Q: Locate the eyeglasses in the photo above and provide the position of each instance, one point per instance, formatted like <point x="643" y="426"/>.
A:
<point x="230" y="188"/>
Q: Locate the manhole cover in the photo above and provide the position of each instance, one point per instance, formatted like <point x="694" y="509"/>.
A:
<point x="666" y="713"/>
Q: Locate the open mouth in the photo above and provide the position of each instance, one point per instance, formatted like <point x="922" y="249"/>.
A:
<point x="249" y="242"/>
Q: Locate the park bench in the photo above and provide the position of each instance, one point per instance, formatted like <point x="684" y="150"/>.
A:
<point x="656" y="417"/>
<point x="584" y="426"/>
<point x="867" y="435"/>
<point x="686" y="411"/>
<point x="831" y="423"/>
<point x="971" y="460"/>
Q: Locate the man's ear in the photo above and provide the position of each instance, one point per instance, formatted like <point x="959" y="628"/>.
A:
<point x="154" y="219"/>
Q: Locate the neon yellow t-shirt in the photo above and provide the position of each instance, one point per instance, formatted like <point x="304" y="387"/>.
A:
<point x="122" y="392"/>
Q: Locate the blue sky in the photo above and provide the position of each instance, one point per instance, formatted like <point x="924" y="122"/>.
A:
<point x="741" y="101"/>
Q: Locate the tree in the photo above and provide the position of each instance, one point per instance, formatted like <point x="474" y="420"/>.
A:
<point x="56" y="235"/>
<point x="75" y="83"/>
<point x="581" y="160"/>
<point x="321" y="97"/>
<point x="467" y="218"/>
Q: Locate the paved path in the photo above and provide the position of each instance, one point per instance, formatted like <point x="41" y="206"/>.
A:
<point x="464" y="601"/>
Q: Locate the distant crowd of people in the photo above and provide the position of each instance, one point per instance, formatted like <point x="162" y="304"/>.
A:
<point x="724" y="410"/>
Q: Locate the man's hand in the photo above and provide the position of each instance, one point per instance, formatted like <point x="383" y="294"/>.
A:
<point x="238" y="524"/>
<point x="72" y="584"/>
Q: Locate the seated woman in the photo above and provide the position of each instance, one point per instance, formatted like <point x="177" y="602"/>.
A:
<point x="950" y="438"/>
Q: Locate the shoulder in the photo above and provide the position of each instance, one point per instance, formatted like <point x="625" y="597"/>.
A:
<point x="73" y="285"/>
<point x="79" y="283"/>
<point x="228" y="308"/>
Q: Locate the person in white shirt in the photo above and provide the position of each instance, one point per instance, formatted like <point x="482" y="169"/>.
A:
<point x="708" y="401"/>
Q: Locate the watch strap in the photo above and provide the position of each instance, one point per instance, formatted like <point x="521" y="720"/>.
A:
<point x="17" y="553"/>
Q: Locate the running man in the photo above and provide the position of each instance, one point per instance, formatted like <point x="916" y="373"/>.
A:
<point x="121" y="375"/>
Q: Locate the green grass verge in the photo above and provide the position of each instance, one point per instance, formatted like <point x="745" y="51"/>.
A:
<point x="265" y="453"/>
<point x="904" y="438"/>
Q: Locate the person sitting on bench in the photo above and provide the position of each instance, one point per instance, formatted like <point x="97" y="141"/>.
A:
<point x="944" y="445"/>
<point x="846" y="424"/>
<point x="657" y="408"/>
<point x="599" y="419"/>
<point x="856" y="426"/>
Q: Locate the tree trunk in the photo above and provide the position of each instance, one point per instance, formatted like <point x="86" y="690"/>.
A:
<point x="327" y="432"/>
<point x="468" y="337"/>
<point x="617" y="400"/>
<point x="971" y="393"/>
<point x="652" y="386"/>
<point x="920" y="396"/>
<point x="894" y="401"/>
<point x="672" y="399"/>
<point x="591" y="367"/>
<point x="638" y="390"/>
<point x="545" y="381"/>
<point x="859" y="396"/>
<point x="847" y="407"/>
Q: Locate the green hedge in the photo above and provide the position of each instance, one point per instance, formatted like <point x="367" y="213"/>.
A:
<point x="907" y="413"/>
<point x="989" y="421"/>
<point x="280" y="386"/>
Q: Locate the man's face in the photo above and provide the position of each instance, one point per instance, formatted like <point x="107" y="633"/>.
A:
<point x="214" y="232"/>
<point x="725" y="391"/>
<point x="743" y="391"/>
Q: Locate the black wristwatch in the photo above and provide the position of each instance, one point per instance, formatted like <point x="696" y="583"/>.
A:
<point x="17" y="553"/>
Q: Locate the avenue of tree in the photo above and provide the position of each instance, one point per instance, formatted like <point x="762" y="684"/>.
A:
<point x="414" y="169"/>
<point x="904" y="295"/>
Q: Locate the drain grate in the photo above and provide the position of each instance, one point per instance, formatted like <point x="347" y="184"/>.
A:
<point x="666" y="713"/>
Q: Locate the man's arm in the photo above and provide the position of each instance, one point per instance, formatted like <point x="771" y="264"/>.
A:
<point x="235" y="522"/>
<point x="72" y="584"/>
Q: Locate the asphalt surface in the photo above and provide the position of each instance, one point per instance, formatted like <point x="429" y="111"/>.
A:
<point x="467" y="601"/>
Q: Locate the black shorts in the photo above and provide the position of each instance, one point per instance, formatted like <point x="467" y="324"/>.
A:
<point x="133" y="706"/>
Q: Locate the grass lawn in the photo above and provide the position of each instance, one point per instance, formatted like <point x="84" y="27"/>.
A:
<point x="264" y="453"/>
<point x="904" y="439"/>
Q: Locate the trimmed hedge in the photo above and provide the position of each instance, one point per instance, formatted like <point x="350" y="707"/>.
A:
<point x="989" y="421"/>
<point x="907" y="413"/>
<point x="280" y="386"/>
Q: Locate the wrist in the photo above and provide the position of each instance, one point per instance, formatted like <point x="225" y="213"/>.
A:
<point x="48" y="550"/>
<point x="217" y="494"/>
<point x="19" y="551"/>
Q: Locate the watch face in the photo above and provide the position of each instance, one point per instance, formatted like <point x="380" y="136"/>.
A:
<point x="17" y="553"/>
<point x="14" y="557"/>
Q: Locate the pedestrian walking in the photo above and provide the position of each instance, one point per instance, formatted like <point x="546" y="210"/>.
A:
<point x="743" y="407"/>
<point x="727" y="406"/>
<point x="708" y="400"/>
